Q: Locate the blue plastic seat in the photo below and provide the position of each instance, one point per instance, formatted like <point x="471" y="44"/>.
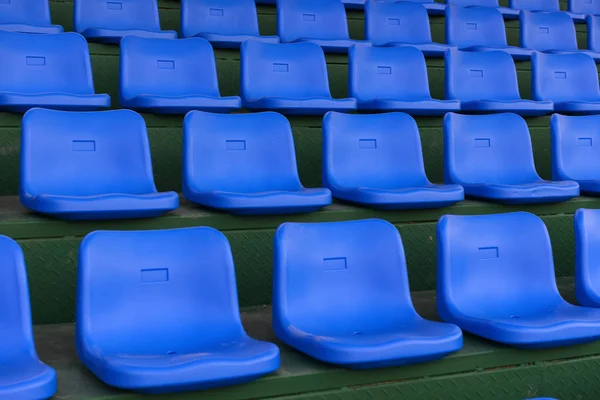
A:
<point x="579" y="9"/>
<point x="491" y="157"/>
<point x="322" y="22"/>
<point x="27" y="16"/>
<point x="587" y="255"/>
<point x="170" y="76"/>
<point x="376" y="160"/>
<point x="225" y="24"/>
<point x="23" y="375"/>
<point x="496" y="280"/>
<point x="289" y="78"/>
<point x="341" y="295"/>
<point x="535" y="5"/>
<point x="576" y="152"/>
<point x="400" y="24"/>
<point x="480" y="29"/>
<point x="109" y="21"/>
<point x="507" y="13"/>
<point x="486" y="82"/>
<point x="245" y="164"/>
<point x="393" y="79"/>
<point x="552" y="32"/>
<point x="92" y="165"/>
<point x="171" y="322"/>
<point x="593" y="33"/>
<point x="570" y="81"/>
<point x="51" y="71"/>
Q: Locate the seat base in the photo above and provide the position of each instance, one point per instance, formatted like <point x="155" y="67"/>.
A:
<point x="233" y="41"/>
<point x="332" y="46"/>
<point x="314" y="106"/>
<point x="594" y="55"/>
<point x="517" y="53"/>
<point x="25" y="28"/>
<point x="428" y="49"/>
<point x="577" y="18"/>
<point x="114" y="36"/>
<point x="183" y="104"/>
<point x="578" y="107"/>
<point x="527" y="193"/>
<point x="590" y="187"/>
<point x="22" y="102"/>
<point x="526" y="108"/>
<point x="426" y="107"/>
<point x="29" y="380"/>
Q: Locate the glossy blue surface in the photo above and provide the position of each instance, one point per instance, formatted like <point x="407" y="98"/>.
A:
<point x="496" y="280"/>
<point x="576" y="151"/>
<point x="486" y="82"/>
<point x="376" y="160"/>
<point x="225" y="24"/>
<point x="89" y="165"/>
<point x="322" y="22"/>
<point x="164" y="76"/>
<point x="587" y="254"/>
<point x="535" y="5"/>
<point x="108" y="22"/>
<point x="245" y="164"/>
<point x="380" y="30"/>
<point x="584" y="7"/>
<point x="52" y="71"/>
<point x="289" y="78"/>
<point x="508" y="13"/>
<point x="480" y="29"/>
<point x="341" y="295"/>
<point x="570" y="81"/>
<point x="157" y="312"/>
<point x="23" y="375"/>
<point x="593" y="33"/>
<point x="27" y="16"/>
<point x="492" y="158"/>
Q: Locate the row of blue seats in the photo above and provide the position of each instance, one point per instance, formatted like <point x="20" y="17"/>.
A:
<point x="177" y="76"/>
<point x="97" y="165"/>
<point x="157" y="311"/>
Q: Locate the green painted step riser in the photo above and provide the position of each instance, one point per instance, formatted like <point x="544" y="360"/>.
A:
<point x="52" y="265"/>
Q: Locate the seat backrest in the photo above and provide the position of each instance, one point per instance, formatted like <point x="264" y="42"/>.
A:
<point x="492" y="149"/>
<point x="372" y="150"/>
<point x="167" y="67"/>
<point x="294" y="70"/>
<point x="564" y="77"/>
<point x="475" y="26"/>
<point x="338" y="277"/>
<point x="494" y="266"/>
<point x="398" y="73"/>
<point x="593" y="32"/>
<point x="403" y="22"/>
<point x="587" y="251"/>
<point x="226" y="17"/>
<point x="57" y="63"/>
<point x="311" y="19"/>
<point x="116" y="14"/>
<point x="473" y="3"/>
<point x="15" y="310"/>
<point x="535" y="5"/>
<point x="575" y="147"/>
<point x="156" y="291"/>
<point x="85" y="153"/>
<point x="588" y="7"/>
<point x="543" y="31"/>
<point x="489" y="75"/>
<point x="244" y="153"/>
<point x="31" y="12"/>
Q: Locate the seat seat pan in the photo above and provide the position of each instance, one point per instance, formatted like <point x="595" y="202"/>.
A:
<point x="578" y="107"/>
<point x="589" y="186"/>
<point x="509" y="13"/>
<point x="428" y="49"/>
<point x="332" y="46"/>
<point x="350" y="4"/>
<point x="535" y="192"/>
<point x="517" y="53"/>
<point x="594" y="55"/>
<point x="426" y="107"/>
<point x="26" y="28"/>
<point x="308" y="106"/>
<point x="234" y="41"/>
<point x="269" y="202"/>
<point x="26" y="380"/>
<point x="182" y="104"/>
<point x="21" y="102"/>
<point x="432" y="196"/>
<point x="105" y="206"/>
<point x="577" y="18"/>
<point x="527" y="108"/>
<point x="114" y="36"/>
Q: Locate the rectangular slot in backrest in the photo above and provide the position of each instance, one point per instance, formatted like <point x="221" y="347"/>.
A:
<point x="279" y="67"/>
<point x="165" y="64"/>
<point x="393" y="21"/>
<point x="471" y="26"/>
<point x="334" y="264"/>
<point x="585" y="141"/>
<point x="235" y="145"/>
<point x="476" y="73"/>
<point x="560" y="75"/>
<point x="486" y="253"/>
<point x="155" y="275"/>
<point x="216" y="12"/>
<point x="367" y="143"/>
<point x="482" y="142"/>
<point x="84" y="145"/>
<point x="384" y="70"/>
<point x="35" y="61"/>
<point x="113" y="5"/>
<point x="544" y="30"/>
<point x="309" y="17"/>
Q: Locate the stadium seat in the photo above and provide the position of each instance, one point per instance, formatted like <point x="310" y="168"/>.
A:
<point x="27" y="16"/>
<point x="51" y="71"/>
<point x="166" y="76"/>
<point x="575" y="151"/>
<point x="496" y="280"/>
<point x="579" y="9"/>
<point x="224" y="24"/>
<point x="486" y="82"/>
<point x="587" y="256"/>
<point x="492" y="158"/>
<point x="552" y="32"/>
<point x="593" y="33"/>
<point x="480" y="29"/>
<point x="171" y="322"/>
<point x="341" y="295"/>
<point x="376" y="160"/>
<point x="507" y="13"/>
<point x="322" y="22"/>
<point x="23" y="375"/>
<point x="393" y="79"/>
<point x="535" y="5"/>
<point x="289" y="78"/>
<point x="400" y="24"/>
<point x="109" y="21"/>
<point x="570" y="81"/>
<point x="244" y="164"/>
<point x="89" y="165"/>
